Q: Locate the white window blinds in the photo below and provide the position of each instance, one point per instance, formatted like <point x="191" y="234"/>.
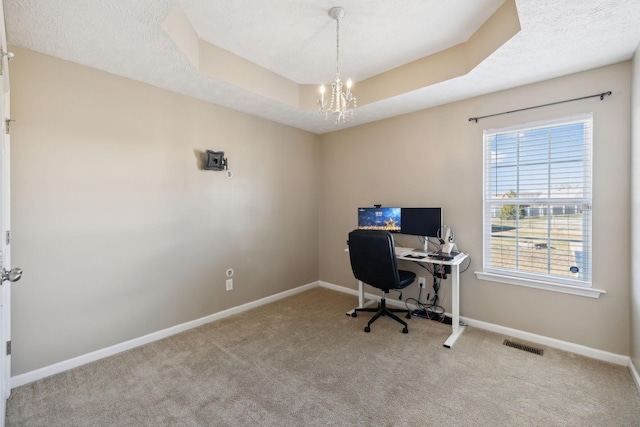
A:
<point x="537" y="201"/>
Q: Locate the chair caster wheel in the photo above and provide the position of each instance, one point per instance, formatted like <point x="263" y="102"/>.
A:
<point x="405" y="330"/>
<point x="367" y="329"/>
<point x="408" y="316"/>
<point x="354" y="314"/>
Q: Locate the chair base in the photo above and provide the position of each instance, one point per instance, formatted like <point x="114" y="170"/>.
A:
<point x="382" y="310"/>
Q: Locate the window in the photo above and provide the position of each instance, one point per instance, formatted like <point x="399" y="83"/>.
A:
<point x="537" y="202"/>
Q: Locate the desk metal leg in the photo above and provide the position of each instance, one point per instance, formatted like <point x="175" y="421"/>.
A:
<point x="361" y="301"/>
<point x="456" y="328"/>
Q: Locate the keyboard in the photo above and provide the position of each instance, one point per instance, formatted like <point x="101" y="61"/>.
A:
<point x="440" y="256"/>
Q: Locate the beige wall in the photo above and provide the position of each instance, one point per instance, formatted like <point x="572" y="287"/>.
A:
<point x="120" y="234"/>
<point x="118" y="231"/>
<point x="635" y="212"/>
<point x="434" y="158"/>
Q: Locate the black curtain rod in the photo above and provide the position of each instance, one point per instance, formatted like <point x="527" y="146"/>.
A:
<point x="601" y="95"/>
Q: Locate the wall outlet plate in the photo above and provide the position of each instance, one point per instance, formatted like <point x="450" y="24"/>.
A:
<point x="422" y="282"/>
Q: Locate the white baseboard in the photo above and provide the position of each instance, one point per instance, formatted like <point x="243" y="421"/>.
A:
<point x="582" y="350"/>
<point x="634" y="374"/>
<point x="57" y="368"/>
<point x="515" y="333"/>
<point x="338" y="288"/>
<point x="367" y="295"/>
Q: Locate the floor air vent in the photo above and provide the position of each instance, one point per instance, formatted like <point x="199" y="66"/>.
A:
<point x="524" y="347"/>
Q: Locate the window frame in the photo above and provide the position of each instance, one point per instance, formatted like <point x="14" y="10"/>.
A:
<point x="550" y="282"/>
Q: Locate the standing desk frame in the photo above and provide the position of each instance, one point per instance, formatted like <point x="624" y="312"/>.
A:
<point x="456" y="328"/>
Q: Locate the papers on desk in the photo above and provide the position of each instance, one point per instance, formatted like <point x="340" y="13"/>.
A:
<point x="400" y="251"/>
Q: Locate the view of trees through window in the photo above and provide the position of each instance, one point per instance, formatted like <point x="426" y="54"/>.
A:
<point x="547" y="243"/>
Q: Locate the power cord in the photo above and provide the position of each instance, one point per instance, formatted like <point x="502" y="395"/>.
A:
<point x="468" y="264"/>
<point x="431" y="309"/>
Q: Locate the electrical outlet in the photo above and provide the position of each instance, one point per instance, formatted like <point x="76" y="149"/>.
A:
<point x="422" y="282"/>
<point x="229" y="284"/>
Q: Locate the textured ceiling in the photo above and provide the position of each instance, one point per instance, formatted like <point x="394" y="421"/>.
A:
<point x="296" y="40"/>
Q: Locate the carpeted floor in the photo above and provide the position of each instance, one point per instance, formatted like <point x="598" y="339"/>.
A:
<point x="302" y="362"/>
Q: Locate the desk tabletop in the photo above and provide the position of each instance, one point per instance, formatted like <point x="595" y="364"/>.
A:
<point x="421" y="256"/>
<point x="418" y="255"/>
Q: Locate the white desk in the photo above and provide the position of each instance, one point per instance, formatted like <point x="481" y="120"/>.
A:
<point x="456" y="328"/>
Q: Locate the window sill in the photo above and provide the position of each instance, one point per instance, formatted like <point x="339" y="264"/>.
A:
<point x="566" y="289"/>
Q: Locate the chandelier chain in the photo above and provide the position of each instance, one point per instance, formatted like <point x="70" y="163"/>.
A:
<point x="338" y="47"/>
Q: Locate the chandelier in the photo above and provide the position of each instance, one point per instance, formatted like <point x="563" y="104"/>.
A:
<point x="342" y="103"/>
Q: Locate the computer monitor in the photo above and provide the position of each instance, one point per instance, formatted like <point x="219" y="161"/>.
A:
<point x="425" y="222"/>
<point x="379" y="219"/>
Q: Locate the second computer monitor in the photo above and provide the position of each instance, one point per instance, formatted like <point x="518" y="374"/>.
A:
<point x="424" y="222"/>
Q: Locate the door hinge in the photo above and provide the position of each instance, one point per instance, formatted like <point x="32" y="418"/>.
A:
<point x="8" y="237"/>
<point x="8" y="348"/>
<point x="7" y="125"/>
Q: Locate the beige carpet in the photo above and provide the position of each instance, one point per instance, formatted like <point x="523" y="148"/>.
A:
<point x="302" y="362"/>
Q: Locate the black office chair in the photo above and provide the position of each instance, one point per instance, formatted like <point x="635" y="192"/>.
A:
<point x="373" y="261"/>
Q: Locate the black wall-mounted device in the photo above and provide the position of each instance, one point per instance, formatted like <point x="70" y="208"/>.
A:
<point x="215" y="161"/>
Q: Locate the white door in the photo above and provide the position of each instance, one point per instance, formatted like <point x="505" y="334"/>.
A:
<point x="6" y="277"/>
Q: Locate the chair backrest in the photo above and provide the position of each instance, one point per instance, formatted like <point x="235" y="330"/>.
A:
<point x="373" y="258"/>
